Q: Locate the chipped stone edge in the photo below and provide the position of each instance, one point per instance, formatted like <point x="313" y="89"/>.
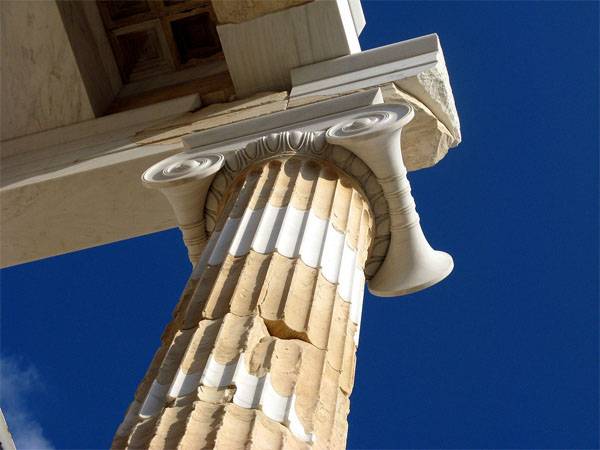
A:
<point x="416" y="66"/>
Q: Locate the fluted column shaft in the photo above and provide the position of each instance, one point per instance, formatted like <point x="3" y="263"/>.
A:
<point x="261" y="351"/>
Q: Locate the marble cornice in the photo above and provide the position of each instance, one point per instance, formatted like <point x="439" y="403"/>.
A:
<point x="416" y="66"/>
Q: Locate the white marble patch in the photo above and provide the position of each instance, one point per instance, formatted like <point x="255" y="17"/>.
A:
<point x="155" y="399"/>
<point x="251" y="392"/>
<point x="288" y="242"/>
<point x="346" y="273"/>
<point x="268" y="229"/>
<point x="358" y="294"/>
<point x="312" y="240"/>
<point x="274" y="405"/>
<point x="240" y="245"/>
<point x="220" y="251"/>
<point x="184" y="383"/>
<point x="296" y="426"/>
<point x="332" y="254"/>
<point x="206" y="253"/>
<point x="248" y="387"/>
<point x="218" y="375"/>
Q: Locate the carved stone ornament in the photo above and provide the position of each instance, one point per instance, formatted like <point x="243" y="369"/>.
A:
<point x="170" y="173"/>
<point x="364" y="144"/>
<point x="185" y="181"/>
<point x="261" y="350"/>
<point x="410" y="264"/>
<point x="310" y="145"/>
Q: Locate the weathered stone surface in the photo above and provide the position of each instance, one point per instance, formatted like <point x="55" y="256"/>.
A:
<point x="42" y="87"/>
<point x="236" y="11"/>
<point x="307" y="34"/>
<point x="65" y="209"/>
<point x="417" y="66"/>
<point x="432" y="87"/>
<point x="266" y="353"/>
<point x="39" y="172"/>
<point x="214" y="115"/>
<point x="425" y="140"/>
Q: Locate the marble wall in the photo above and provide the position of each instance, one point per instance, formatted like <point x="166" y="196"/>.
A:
<point x="41" y="86"/>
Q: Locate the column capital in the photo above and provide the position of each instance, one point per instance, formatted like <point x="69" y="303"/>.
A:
<point x="374" y="135"/>
<point x="362" y="140"/>
<point x="185" y="182"/>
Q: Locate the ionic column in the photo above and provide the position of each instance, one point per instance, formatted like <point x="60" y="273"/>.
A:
<point x="282" y="230"/>
<point x="261" y="351"/>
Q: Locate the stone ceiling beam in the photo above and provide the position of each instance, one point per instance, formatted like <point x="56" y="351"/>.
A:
<point x="261" y="52"/>
<point x="76" y="187"/>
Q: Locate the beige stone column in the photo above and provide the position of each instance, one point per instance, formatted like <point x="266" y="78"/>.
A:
<point x="261" y="351"/>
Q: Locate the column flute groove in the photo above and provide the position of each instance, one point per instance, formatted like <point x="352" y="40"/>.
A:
<point x="264" y="350"/>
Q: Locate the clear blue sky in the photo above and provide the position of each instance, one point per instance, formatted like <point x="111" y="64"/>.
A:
<point x="503" y="354"/>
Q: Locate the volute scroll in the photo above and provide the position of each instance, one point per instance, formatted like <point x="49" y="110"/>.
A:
<point x="410" y="264"/>
<point x="185" y="182"/>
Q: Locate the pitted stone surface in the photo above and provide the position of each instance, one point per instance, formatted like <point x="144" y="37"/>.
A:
<point x="262" y="350"/>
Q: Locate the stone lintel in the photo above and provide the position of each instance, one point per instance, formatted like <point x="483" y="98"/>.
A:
<point x="78" y="186"/>
<point x="103" y="128"/>
<point x="75" y="187"/>
<point x="305" y="118"/>
<point x="415" y="66"/>
<point x="425" y="140"/>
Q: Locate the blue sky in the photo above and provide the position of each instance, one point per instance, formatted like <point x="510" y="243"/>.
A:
<point x="502" y="354"/>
